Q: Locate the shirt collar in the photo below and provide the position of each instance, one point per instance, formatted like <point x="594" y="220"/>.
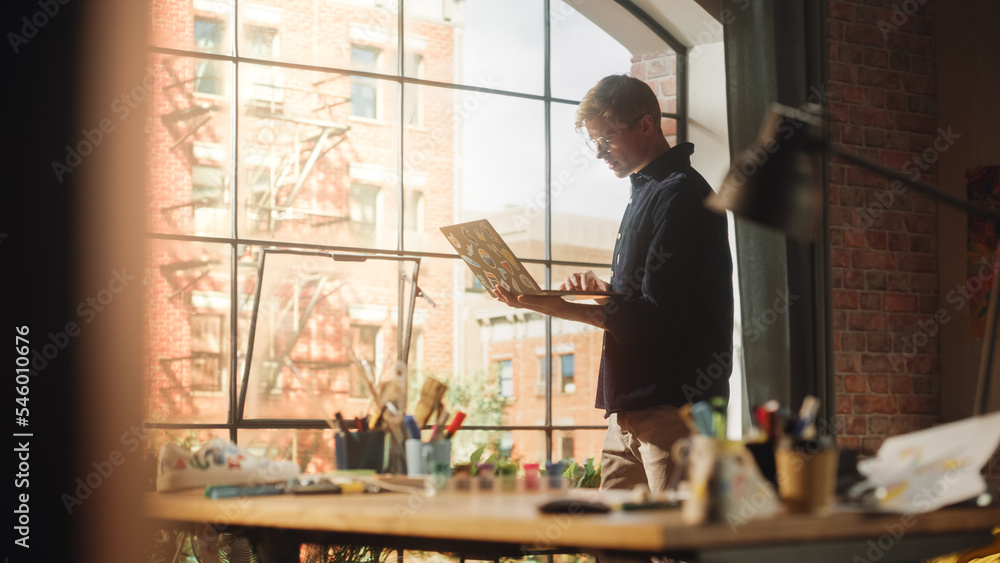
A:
<point x="671" y="160"/>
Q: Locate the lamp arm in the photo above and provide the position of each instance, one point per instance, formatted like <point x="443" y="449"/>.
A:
<point x="981" y="402"/>
<point x="925" y="189"/>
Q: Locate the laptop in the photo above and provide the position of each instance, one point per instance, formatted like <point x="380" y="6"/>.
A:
<point x="493" y="262"/>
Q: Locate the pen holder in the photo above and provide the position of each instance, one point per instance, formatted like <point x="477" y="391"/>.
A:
<point x="360" y="450"/>
<point x="807" y="476"/>
<point x="428" y="458"/>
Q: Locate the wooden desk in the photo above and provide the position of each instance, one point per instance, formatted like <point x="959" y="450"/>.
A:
<point x="509" y="524"/>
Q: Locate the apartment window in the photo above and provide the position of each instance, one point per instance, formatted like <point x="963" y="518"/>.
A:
<point x="567" y="446"/>
<point x="540" y="381"/>
<point x="363" y="212"/>
<point x="208" y="74"/>
<point x="206" y="351"/>
<point x="414" y="111"/>
<point x="567" y="381"/>
<point x="263" y="81"/>
<point x="505" y="374"/>
<point x="413" y="212"/>
<point x="364" y="97"/>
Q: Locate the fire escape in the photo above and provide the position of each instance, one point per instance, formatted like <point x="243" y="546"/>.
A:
<point x="292" y="146"/>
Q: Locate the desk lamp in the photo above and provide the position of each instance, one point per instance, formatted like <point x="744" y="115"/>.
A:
<point x="774" y="183"/>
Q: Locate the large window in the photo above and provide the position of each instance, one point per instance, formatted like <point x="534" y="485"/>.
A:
<point x="363" y="127"/>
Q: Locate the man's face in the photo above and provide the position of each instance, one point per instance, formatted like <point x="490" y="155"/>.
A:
<point x="617" y="144"/>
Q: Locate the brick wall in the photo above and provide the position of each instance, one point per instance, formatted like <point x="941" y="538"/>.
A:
<point x="884" y="242"/>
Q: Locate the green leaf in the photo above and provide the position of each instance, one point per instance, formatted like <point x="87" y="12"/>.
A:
<point x="474" y="459"/>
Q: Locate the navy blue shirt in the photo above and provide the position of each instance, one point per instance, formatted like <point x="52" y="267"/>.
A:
<point x="668" y="340"/>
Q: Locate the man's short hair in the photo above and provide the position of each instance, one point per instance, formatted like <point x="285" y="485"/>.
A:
<point x="619" y="98"/>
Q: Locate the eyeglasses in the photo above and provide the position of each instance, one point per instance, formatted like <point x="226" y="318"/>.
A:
<point x="602" y="143"/>
<point x="607" y="142"/>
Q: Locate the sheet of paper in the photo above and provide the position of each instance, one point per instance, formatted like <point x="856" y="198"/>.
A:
<point x="925" y="470"/>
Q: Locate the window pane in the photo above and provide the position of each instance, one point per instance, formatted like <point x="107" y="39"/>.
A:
<point x="474" y="30"/>
<point x="587" y="199"/>
<point x="190" y="158"/>
<point x="582" y="343"/>
<point x="472" y="139"/>
<point x="187" y="331"/>
<point x="326" y="331"/>
<point x="197" y="26"/>
<point x="308" y="171"/>
<point x="582" y="53"/>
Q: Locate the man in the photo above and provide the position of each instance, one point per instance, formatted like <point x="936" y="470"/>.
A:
<point x="673" y="324"/>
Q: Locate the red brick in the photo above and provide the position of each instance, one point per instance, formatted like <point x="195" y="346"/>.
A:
<point x="900" y="303"/>
<point x="882" y="404"/>
<point x="863" y="35"/>
<point x="849" y="442"/>
<point x="851" y="54"/>
<point x="899" y="61"/>
<point x="855" y="383"/>
<point x="878" y="78"/>
<point x="901" y="424"/>
<point x="846" y="363"/>
<point x="856" y="425"/>
<point x="840" y="258"/>
<point x="845" y="299"/>
<point x="870" y="301"/>
<point x="868" y="259"/>
<point x="867" y="321"/>
<point x="925" y="363"/>
<point x="921" y="243"/>
<point x="899" y="242"/>
<point x="917" y="263"/>
<point x="844" y="404"/>
<point x="877" y="240"/>
<point x="854" y="238"/>
<point x="898" y="281"/>
<point x="896" y="101"/>
<point x="923" y="385"/>
<point x="851" y="341"/>
<point x="918" y="84"/>
<point x="914" y="123"/>
<point x="914" y="404"/>
<point x="901" y="385"/>
<point x="919" y="223"/>
<point x="854" y="279"/>
<point x="839" y="320"/>
<point x="876" y="363"/>
<point x="875" y="281"/>
<point x="878" y="383"/>
<point x="878" y="342"/>
<point x="850" y="94"/>
<point x="839" y="10"/>
<point x="878" y="425"/>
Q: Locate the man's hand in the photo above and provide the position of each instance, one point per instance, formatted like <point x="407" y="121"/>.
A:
<point x="547" y="305"/>
<point x="553" y="306"/>
<point x="586" y="280"/>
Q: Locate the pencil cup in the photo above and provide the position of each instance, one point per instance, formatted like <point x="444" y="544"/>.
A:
<point x="807" y="476"/>
<point x="698" y="453"/>
<point x="360" y="450"/>
<point x="428" y="458"/>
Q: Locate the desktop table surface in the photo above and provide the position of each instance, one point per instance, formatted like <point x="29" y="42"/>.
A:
<point x="514" y="519"/>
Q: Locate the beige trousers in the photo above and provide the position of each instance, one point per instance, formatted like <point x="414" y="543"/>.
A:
<point x="637" y="448"/>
